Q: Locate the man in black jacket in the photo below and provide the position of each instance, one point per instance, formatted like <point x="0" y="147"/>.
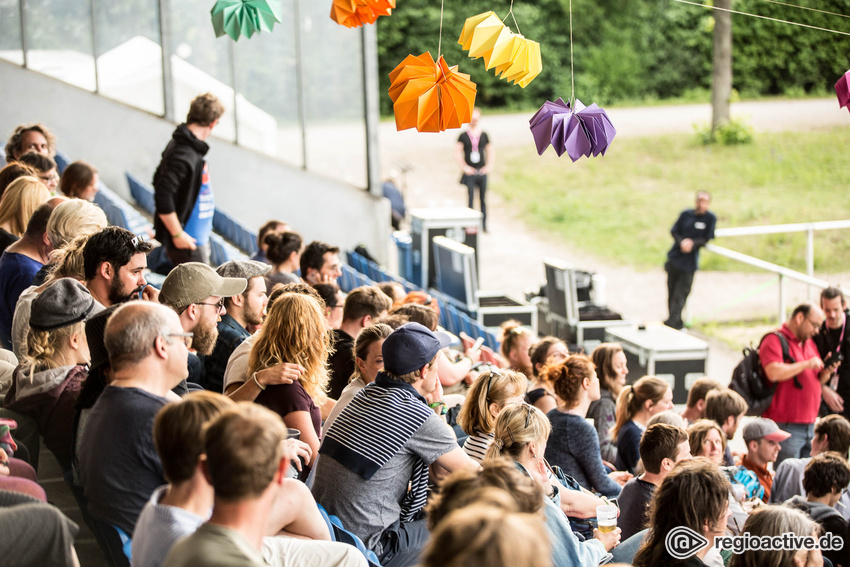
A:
<point x="833" y="344"/>
<point x="693" y="229"/>
<point x="182" y="189"/>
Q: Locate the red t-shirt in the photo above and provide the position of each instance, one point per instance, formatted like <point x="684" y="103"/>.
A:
<point x="790" y="404"/>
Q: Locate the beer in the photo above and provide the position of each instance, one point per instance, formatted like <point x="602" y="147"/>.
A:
<point x="608" y="526"/>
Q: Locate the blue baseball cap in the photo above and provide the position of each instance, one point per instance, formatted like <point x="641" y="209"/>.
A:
<point x="410" y="347"/>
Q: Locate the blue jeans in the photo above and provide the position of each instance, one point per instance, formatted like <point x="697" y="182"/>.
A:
<point x="799" y="445"/>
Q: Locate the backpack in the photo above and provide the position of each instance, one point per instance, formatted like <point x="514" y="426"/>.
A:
<point x="749" y="380"/>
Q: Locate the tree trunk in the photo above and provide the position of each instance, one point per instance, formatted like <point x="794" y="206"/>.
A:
<point x="721" y="77"/>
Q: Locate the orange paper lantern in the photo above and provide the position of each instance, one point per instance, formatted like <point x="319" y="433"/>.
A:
<point x="355" y="13"/>
<point x="430" y="97"/>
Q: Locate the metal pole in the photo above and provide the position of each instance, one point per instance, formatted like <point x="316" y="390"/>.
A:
<point x="22" y="6"/>
<point x="371" y="113"/>
<point x="231" y="55"/>
<point x="781" y="299"/>
<point x="299" y="83"/>
<point x="810" y="257"/>
<point x="94" y="45"/>
<point x="165" y="45"/>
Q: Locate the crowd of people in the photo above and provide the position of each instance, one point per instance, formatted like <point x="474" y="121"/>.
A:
<point x="224" y="418"/>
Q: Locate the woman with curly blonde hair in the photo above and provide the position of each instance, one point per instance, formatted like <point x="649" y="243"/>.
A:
<point x="295" y="332"/>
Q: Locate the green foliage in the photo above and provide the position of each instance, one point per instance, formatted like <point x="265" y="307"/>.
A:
<point x="627" y="50"/>
<point x="731" y="133"/>
<point x="621" y="206"/>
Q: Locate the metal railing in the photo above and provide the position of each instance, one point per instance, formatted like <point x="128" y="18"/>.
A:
<point x="781" y="271"/>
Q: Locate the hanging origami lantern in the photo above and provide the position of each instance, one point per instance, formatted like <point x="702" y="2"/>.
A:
<point x="514" y="57"/>
<point x="355" y="13"/>
<point x="430" y="97"/>
<point x="842" y="90"/>
<point x="245" y="17"/>
<point x="579" y="131"/>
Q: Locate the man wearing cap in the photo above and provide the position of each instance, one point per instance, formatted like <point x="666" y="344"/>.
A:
<point x="195" y="292"/>
<point x="247" y="308"/>
<point x="798" y="378"/>
<point x="119" y="466"/>
<point x="373" y="469"/>
<point x="762" y="437"/>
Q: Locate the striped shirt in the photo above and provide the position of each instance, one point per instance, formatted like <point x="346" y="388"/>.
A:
<point x="476" y="445"/>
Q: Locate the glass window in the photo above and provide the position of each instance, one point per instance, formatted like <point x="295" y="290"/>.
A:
<point x="129" y="53"/>
<point x="267" y="91"/>
<point x="332" y="60"/>
<point x="59" y="40"/>
<point x="200" y="63"/>
<point x="10" y="32"/>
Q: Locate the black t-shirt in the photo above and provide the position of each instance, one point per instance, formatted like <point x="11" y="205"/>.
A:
<point x="827" y="342"/>
<point x="474" y="151"/>
<point x="340" y="363"/>
<point x="6" y="239"/>
<point x="633" y="501"/>
<point x="119" y="465"/>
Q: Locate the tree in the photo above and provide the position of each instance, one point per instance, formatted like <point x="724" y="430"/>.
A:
<point x="721" y="77"/>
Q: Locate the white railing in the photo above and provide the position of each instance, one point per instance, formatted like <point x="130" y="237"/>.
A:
<point x="782" y="272"/>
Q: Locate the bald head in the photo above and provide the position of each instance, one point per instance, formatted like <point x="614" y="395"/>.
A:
<point x="133" y="328"/>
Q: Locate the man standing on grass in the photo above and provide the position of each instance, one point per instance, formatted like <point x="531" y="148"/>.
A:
<point x="693" y="229"/>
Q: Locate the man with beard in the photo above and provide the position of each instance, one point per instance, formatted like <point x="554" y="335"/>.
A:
<point x="114" y="261"/>
<point x="247" y="308"/>
<point x="196" y="292"/>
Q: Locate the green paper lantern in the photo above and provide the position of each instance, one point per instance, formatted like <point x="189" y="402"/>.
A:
<point x="245" y="17"/>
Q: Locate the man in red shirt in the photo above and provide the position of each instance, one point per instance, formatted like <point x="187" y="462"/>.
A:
<point x="798" y="379"/>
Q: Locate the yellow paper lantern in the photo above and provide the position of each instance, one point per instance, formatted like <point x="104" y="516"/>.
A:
<point x="429" y="96"/>
<point x="515" y="58"/>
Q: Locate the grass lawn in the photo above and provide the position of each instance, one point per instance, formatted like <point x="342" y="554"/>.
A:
<point x="621" y="206"/>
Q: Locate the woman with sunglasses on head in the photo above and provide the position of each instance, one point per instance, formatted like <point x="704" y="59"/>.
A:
<point x="574" y="445"/>
<point x="520" y="434"/>
<point x="487" y="397"/>
<point x="516" y="342"/>
<point x="541" y="393"/>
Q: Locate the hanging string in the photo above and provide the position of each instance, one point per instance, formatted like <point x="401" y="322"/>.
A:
<point x="805" y="8"/>
<point x="572" y="73"/>
<point x="511" y="14"/>
<point x="762" y="17"/>
<point x="440" y="44"/>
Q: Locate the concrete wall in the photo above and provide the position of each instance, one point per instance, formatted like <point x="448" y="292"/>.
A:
<point x="251" y="187"/>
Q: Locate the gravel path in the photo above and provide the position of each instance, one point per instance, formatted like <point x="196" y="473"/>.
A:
<point x="511" y="254"/>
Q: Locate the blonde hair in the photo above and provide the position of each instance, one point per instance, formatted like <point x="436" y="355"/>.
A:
<point x="45" y="349"/>
<point x="69" y="261"/>
<point x="295" y="331"/>
<point x="495" y="386"/>
<point x="632" y="399"/>
<point x="484" y="535"/>
<point x="73" y="218"/>
<point x="511" y="435"/>
<point x="20" y="200"/>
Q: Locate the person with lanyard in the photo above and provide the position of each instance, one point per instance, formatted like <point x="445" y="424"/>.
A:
<point x="475" y="156"/>
<point x="832" y="347"/>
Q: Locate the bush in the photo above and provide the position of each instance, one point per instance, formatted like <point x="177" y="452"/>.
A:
<point x="731" y="133"/>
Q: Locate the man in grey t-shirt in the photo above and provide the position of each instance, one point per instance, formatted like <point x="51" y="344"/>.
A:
<point x="370" y="493"/>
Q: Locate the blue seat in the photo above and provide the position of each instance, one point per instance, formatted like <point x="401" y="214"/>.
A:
<point x="141" y="193"/>
<point x="342" y="535"/>
<point x="221" y="251"/>
<point x="62" y="161"/>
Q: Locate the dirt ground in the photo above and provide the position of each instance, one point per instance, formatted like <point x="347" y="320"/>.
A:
<point x="512" y="252"/>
